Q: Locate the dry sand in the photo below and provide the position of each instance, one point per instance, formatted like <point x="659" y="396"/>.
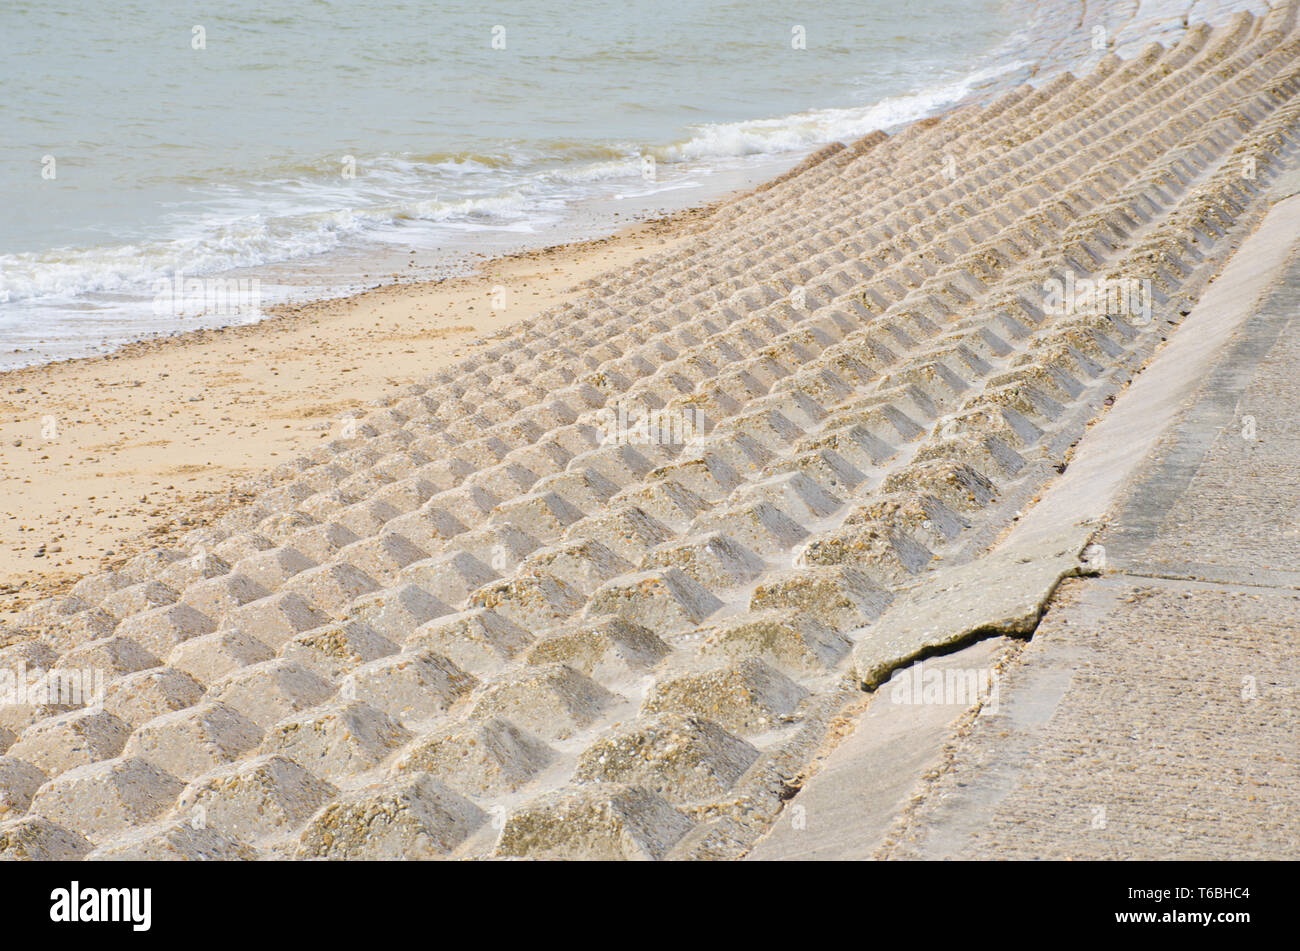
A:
<point x="106" y="456"/>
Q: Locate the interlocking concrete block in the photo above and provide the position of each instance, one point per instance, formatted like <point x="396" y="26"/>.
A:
<point x="478" y="758"/>
<point x="142" y="696"/>
<point x="681" y="758"/>
<point x="37" y="839"/>
<point x="450" y="577"/>
<point x="790" y="640"/>
<point x="215" y="597"/>
<point x="893" y="557"/>
<point x="161" y="629"/>
<point x="664" y="600"/>
<point x="837" y="595"/>
<point x="416" y="817"/>
<point x="553" y="700"/>
<point x="174" y="840"/>
<point x="190" y="742"/>
<point x="747" y="698"/>
<point x="478" y="641"/>
<point x="533" y="600"/>
<point x="276" y="619"/>
<point x="212" y="656"/>
<point x="331" y="587"/>
<point x="268" y="692"/>
<point x="138" y="597"/>
<point x="105" y="799"/>
<point x="73" y="739"/>
<point x="115" y="656"/>
<point x="410" y="686"/>
<point x="338" y="740"/>
<point x="625" y="530"/>
<point x="582" y="564"/>
<point x="273" y="567"/>
<point x="255" y="799"/>
<point x="759" y="525"/>
<point x="715" y="560"/>
<point x="18" y="784"/>
<point x="596" y="823"/>
<point x="605" y="649"/>
<point x="335" y="649"/>
<point x="396" y="611"/>
<point x="954" y="483"/>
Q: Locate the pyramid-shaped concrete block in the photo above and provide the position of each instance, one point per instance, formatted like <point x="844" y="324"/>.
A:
<point x="383" y="556"/>
<point x="534" y="601"/>
<point x="582" y="564"/>
<point x="338" y="740"/>
<point x="414" y="818"/>
<point x="715" y="560"/>
<point x="410" y="686"/>
<point x="396" y="611"/>
<point x="331" y="587"/>
<point x="836" y="476"/>
<point x="255" y="799"/>
<point x="450" y="577"/>
<point x="212" y="656"/>
<point x="789" y="640"/>
<point x="174" y="840"/>
<point x="681" y="758"/>
<point x="73" y="739"/>
<point x="747" y="698"/>
<point x="954" y="483"/>
<point x="140" y="697"/>
<point x="925" y="518"/>
<point x="605" y="649"/>
<point x="479" y="641"/>
<point x="478" y="757"/>
<point x="105" y="799"/>
<point x="26" y="657"/>
<point x="215" y="597"/>
<point x="276" y="619"/>
<point x="37" y="839"/>
<point x="553" y="700"/>
<point x="428" y="528"/>
<point x="708" y="476"/>
<point x="504" y="480"/>
<point x="270" y="691"/>
<point x="191" y="742"/>
<point x="273" y="567"/>
<point x="584" y="489"/>
<point x="161" y="629"/>
<point x="664" y="600"/>
<point x="758" y="525"/>
<point x="320" y="542"/>
<point x="594" y="823"/>
<point x="363" y="519"/>
<point x="115" y="655"/>
<point x="542" y="515"/>
<point x="138" y="597"/>
<point x="837" y="595"/>
<point x="892" y="557"/>
<point x="794" y="494"/>
<point x="335" y="649"/>
<point x="18" y="784"/>
<point x="192" y="568"/>
<point x="665" y="500"/>
<point x="625" y="530"/>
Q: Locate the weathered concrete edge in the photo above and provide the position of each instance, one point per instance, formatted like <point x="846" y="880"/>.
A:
<point x="1005" y="592"/>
